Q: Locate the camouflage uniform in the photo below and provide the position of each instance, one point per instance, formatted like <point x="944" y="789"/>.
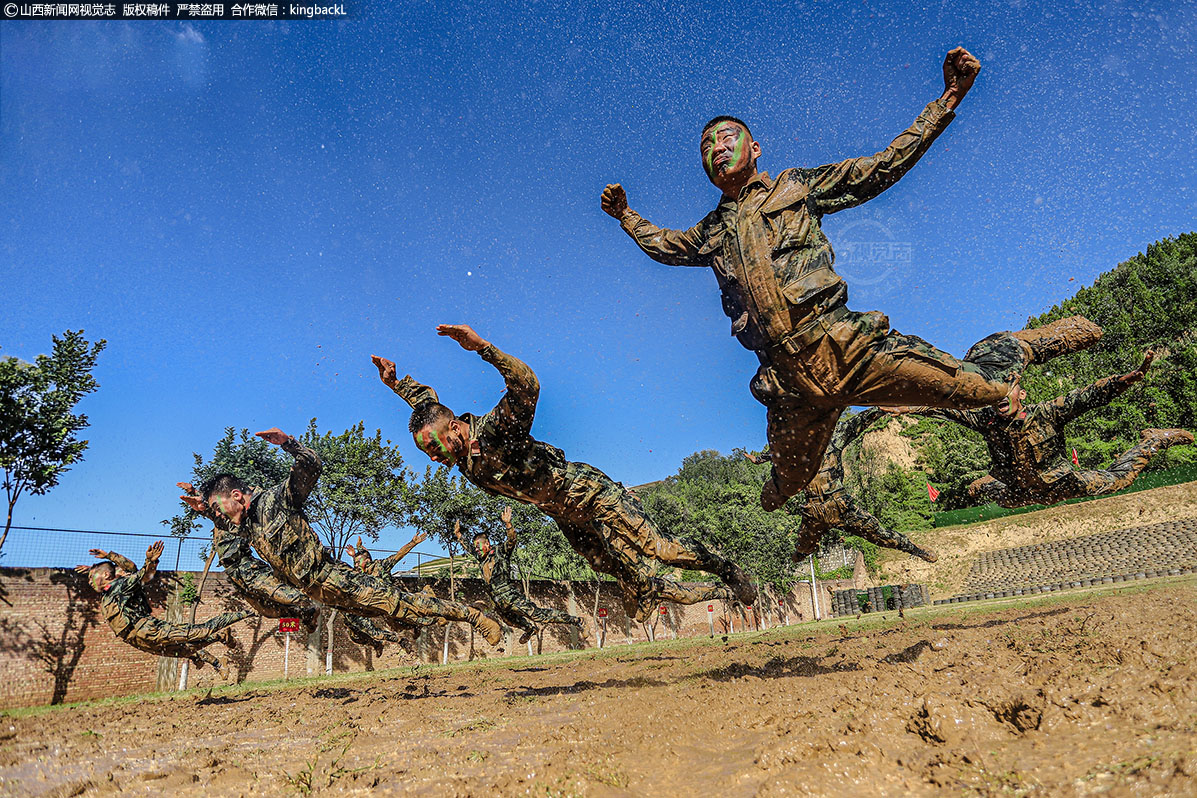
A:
<point x="364" y="561"/>
<point x="774" y="267"/>
<point x="256" y="582"/>
<point x="602" y="520"/>
<point x="1031" y="464"/>
<point x="127" y="610"/>
<point x="827" y="505"/>
<point x="510" y="603"/>
<point x="276" y="526"/>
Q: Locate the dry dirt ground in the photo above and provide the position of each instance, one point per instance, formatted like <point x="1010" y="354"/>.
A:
<point x="1091" y="693"/>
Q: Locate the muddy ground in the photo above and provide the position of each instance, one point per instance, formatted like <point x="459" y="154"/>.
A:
<point x="1084" y="694"/>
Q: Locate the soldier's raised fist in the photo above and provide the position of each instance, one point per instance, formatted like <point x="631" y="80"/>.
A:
<point x="960" y="69"/>
<point x="614" y="201"/>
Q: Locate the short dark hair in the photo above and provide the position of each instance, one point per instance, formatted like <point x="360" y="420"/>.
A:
<point x="428" y="414"/>
<point x="104" y="565"/>
<point x="222" y="485"/>
<point x="726" y="118"/>
<point x="482" y="535"/>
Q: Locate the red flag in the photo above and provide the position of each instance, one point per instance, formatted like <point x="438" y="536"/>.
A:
<point x="1075" y="462"/>
<point x="932" y="492"/>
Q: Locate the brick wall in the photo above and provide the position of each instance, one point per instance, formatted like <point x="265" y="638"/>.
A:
<point x="55" y="647"/>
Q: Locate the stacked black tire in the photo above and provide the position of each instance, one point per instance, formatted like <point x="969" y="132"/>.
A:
<point x="878" y="599"/>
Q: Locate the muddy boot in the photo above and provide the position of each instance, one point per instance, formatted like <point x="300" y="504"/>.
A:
<point x="485" y="626"/>
<point x="1161" y="439"/>
<point x="740" y="584"/>
<point x="1060" y="338"/>
<point x="527" y="635"/>
<point x="923" y="554"/>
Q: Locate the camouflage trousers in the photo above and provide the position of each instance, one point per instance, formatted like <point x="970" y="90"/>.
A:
<point x="338" y="585"/>
<point x="256" y="583"/>
<point x="1073" y="484"/>
<point x="641" y="590"/>
<point x="184" y="640"/>
<point x="596" y="501"/>
<point x="517" y="610"/>
<point x="853" y="359"/>
<point x="840" y="510"/>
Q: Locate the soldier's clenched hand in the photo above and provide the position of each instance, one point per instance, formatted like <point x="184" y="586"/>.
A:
<point x="273" y="435"/>
<point x="464" y="335"/>
<point x="615" y="201"/>
<point x="960" y="69"/>
<point x="386" y="371"/>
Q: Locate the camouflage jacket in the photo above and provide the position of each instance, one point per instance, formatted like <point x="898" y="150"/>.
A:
<point x="496" y="565"/>
<point x="276" y="526"/>
<point x="1029" y="452"/>
<point x="768" y="251"/>
<point x="505" y="460"/>
<point x="124" y="603"/>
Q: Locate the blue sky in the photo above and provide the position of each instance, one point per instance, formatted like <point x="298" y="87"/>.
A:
<point x="247" y="211"/>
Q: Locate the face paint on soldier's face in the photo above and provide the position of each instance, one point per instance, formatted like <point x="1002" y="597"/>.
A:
<point x="433" y="444"/>
<point x="723" y="148"/>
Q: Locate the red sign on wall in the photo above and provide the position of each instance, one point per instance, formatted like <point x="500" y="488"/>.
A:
<point x="288" y="624"/>
<point x="710" y="608"/>
<point x="602" y="612"/>
<point x="662" y="609"/>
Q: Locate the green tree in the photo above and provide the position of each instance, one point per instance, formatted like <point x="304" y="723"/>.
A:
<point x="716" y="499"/>
<point x="38" y="426"/>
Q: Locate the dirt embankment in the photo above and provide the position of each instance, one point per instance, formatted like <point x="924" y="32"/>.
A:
<point x="1073" y="696"/>
<point x="958" y="545"/>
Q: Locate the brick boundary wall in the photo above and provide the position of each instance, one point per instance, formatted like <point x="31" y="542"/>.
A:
<point x="55" y="647"/>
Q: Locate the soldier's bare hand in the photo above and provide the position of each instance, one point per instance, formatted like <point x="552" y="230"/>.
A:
<point x="456" y="529"/>
<point x="419" y="538"/>
<point x="154" y="551"/>
<point x="99" y="554"/>
<point x="464" y="335"/>
<point x="195" y="503"/>
<point x="1140" y="372"/>
<point x="386" y="371"/>
<point x="187" y="488"/>
<point x="614" y="201"/>
<point x="755" y="459"/>
<point x="960" y="69"/>
<point x="506" y="514"/>
<point x="82" y="568"/>
<point x="273" y="435"/>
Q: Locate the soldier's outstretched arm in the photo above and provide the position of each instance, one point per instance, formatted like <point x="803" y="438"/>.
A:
<point x="965" y="418"/>
<point x="410" y="391"/>
<point x="390" y="562"/>
<point x="119" y="560"/>
<point x="506" y="518"/>
<point x="837" y="186"/>
<point x="849" y="429"/>
<point x="671" y="247"/>
<point x="151" y="562"/>
<point x="516" y="410"/>
<point x="304" y="471"/>
<point x="1064" y="409"/>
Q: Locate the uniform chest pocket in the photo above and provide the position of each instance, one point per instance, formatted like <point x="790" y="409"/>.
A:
<point x="711" y="251"/>
<point x="787" y="219"/>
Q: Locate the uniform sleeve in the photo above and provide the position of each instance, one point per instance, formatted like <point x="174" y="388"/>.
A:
<point x="388" y="564"/>
<point x="516" y="410"/>
<point x="414" y="393"/>
<point x="304" y="473"/>
<point x="122" y="562"/>
<point x="837" y="186"/>
<point x="850" y="429"/>
<point x="965" y="418"/>
<point x="671" y="247"/>
<point x="1075" y="403"/>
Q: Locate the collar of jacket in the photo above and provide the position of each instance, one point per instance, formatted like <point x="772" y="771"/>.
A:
<point x="761" y="179"/>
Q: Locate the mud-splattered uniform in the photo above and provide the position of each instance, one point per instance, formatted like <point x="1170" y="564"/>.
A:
<point x="510" y="603"/>
<point x="1031" y="464"/>
<point x="126" y="608"/>
<point x="256" y="582"/>
<point x="601" y="519"/>
<point x="774" y="268"/>
<point x="277" y="528"/>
